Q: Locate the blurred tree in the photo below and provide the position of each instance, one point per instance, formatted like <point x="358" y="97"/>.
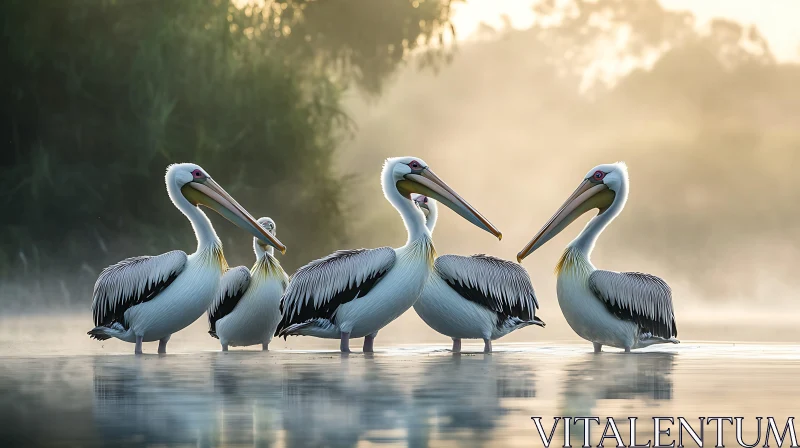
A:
<point x="99" y="96"/>
<point x="580" y="32"/>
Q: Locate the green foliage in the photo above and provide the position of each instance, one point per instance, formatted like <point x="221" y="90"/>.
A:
<point x="99" y="96"/>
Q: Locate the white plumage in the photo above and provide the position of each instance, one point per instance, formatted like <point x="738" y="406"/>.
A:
<point x="642" y="298"/>
<point x="133" y="281"/>
<point x="355" y="293"/>
<point x="504" y="286"/>
<point x="476" y="297"/>
<point x="172" y="305"/>
<point x="144" y="299"/>
<point x="340" y="277"/>
<point x="247" y="308"/>
<point x="232" y="286"/>
<point x="622" y="309"/>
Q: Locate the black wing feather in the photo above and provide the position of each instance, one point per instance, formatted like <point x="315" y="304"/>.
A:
<point x="131" y="282"/>
<point x="233" y="286"/>
<point x="498" y="285"/>
<point x="308" y="295"/>
<point x="646" y="300"/>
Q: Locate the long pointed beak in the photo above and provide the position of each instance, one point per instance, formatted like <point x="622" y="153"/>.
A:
<point x="427" y="183"/>
<point x="587" y="196"/>
<point x="212" y="195"/>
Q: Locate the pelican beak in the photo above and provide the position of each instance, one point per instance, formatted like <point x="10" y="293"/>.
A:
<point x="587" y="196"/>
<point x="426" y="183"/>
<point x="210" y="194"/>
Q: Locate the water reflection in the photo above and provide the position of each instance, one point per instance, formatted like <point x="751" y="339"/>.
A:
<point x="253" y="400"/>
<point x="347" y="401"/>
<point x="146" y="401"/>
<point x="465" y="396"/>
<point x="406" y="397"/>
<point x="639" y="376"/>
<point x="39" y="398"/>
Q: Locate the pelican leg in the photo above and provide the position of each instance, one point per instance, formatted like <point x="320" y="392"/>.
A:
<point x="344" y="345"/>
<point x="138" y="349"/>
<point x="456" y="345"/>
<point x="627" y="349"/>
<point x="224" y="347"/>
<point x="265" y="346"/>
<point x="597" y="347"/>
<point x="162" y="345"/>
<point x="487" y="346"/>
<point x="369" y="343"/>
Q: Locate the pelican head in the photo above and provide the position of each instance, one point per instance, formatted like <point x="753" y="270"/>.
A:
<point x="199" y="188"/>
<point x="429" y="209"/>
<point x="412" y="175"/>
<point x="599" y="189"/>
<point x="269" y="225"/>
<point x="422" y="202"/>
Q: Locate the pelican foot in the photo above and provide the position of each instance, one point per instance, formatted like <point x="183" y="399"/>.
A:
<point x="597" y="347"/>
<point x="162" y="345"/>
<point x="487" y="346"/>
<point x="369" y="343"/>
<point x="138" y="349"/>
<point x="456" y="345"/>
<point x="344" y="344"/>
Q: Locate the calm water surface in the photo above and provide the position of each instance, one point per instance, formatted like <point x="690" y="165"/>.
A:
<point x="401" y="396"/>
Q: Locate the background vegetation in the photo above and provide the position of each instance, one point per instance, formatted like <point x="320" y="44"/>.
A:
<point x="99" y="96"/>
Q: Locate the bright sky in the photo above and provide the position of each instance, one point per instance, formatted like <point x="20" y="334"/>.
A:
<point x="776" y="19"/>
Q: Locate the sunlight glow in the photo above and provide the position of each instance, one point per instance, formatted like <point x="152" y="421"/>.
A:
<point x="776" y="19"/>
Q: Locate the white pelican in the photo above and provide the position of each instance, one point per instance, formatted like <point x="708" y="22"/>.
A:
<point x="247" y="308"/>
<point x="622" y="309"/>
<point x="148" y="298"/>
<point x="477" y="297"/>
<point x="355" y="293"/>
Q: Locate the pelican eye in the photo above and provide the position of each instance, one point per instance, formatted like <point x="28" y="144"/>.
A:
<point x="198" y="174"/>
<point x="414" y="165"/>
<point x="598" y="175"/>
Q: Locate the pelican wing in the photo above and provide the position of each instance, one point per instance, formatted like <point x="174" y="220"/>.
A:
<point x="318" y="289"/>
<point x="133" y="281"/>
<point x="499" y="285"/>
<point x="640" y="298"/>
<point x="232" y="287"/>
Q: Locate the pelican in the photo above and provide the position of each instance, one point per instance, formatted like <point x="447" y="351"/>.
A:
<point x="477" y="297"/>
<point x="626" y="310"/>
<point x="144" y="299"/>
<point x="355" y="293"/>
<point x="247" y="308"/>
